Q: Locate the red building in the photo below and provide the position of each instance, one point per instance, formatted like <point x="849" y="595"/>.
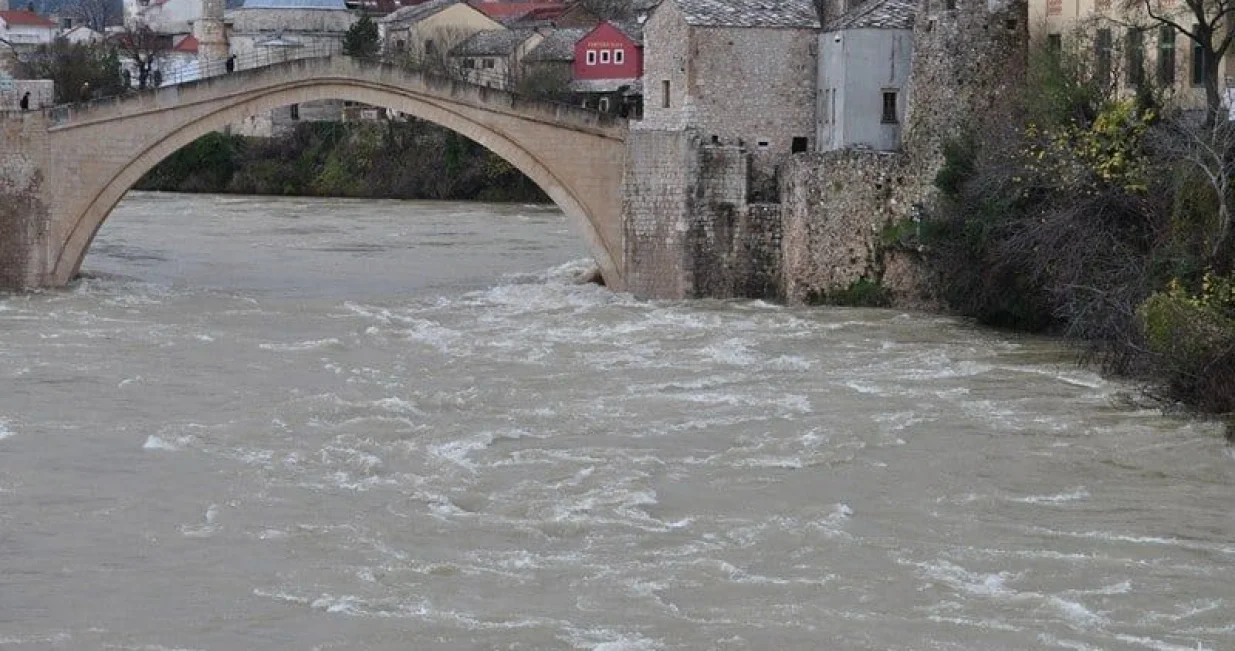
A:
<point x="609" y="52"/>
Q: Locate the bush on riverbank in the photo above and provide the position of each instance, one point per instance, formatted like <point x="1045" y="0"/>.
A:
<point x="1106" y="219"/>
<point x="397" y="160"/>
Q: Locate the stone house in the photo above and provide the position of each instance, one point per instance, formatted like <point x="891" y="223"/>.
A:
<point x="864" y="61"/>
<point x="263" y="31"/>
<point x="578" y="15"/>
<point x="551" y="63"/>
<point x="741" y="72"/>
<point x="1129" y="48"/>
<point x="427" y="32"/>
<point x="494" y="58"/>
<point x="26" y="29"/>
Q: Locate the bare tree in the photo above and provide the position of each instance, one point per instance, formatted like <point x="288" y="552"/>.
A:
<point x="95" y="14"/>
<point x="1208" y="148"/>
<point x="144" y="49"/>
<point x="1209" y="24"/>
<point x="430" y="51"/>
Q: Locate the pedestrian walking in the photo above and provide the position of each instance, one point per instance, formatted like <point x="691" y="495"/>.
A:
<point x="25" y="101"/>
<point x="231" y="63"/>
<point x="85" y="91"/>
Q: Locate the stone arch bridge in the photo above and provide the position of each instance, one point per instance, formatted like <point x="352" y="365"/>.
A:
<point x="62" y="172"/>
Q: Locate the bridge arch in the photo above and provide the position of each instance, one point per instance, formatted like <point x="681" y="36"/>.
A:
<point x="575" y="157"/>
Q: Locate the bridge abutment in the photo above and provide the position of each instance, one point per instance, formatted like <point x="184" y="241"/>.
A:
<point x="689" y="230"/>
<point x="25" y="207"/>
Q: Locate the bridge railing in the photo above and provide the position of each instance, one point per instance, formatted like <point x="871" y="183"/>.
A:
<point x="270" y="56"/>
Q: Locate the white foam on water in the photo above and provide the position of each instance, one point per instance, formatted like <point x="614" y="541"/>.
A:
<point x="1074" y="495"/>
<point x="207" y="528"/>
<point x="299" y="346"/>
<point x="1112" y="537"/>
<point x="157" y="443"/>
<point x="1159" y="645"/>
<point x="5" y="431"/>
<point x="1072" y="645"/>
<point x="984" y="624"/>
<point x="1076" y="612"/>
<point x="601" y="639"/>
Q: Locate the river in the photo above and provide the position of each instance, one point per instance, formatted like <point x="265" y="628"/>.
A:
<point x="273" y="423"/>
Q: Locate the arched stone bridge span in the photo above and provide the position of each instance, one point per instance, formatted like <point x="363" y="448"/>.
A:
<point x="76" y="167"/>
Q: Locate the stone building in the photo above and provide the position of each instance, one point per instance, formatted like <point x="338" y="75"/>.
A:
<point x="26" y="29"/>
<point x="427" y="32"/>
<point x="550" y="64"/>
<point x="163" y="16"/>
<point x="265" y="31"/>
<point x="864" y="60"/>
<point x="494" y="58"/>
<point x="741" y="72"/>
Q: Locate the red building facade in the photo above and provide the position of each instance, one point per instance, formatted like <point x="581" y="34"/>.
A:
<point x="607" y="52"/>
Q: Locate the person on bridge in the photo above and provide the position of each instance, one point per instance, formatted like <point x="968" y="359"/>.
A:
<point x="85" y="91"/>
<point x="25" y="101"/>
<point x="231" y="63"/>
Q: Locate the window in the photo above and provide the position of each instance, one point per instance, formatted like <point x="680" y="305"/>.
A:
<point x="950" y="5"/>
<point x="762" y="144"/>
<point x="603" y="105"/>
<point x="1136" y="56"/>
<point x="429" y="46"/>
<point x="1102" y="57"/>
<point x="488" y="63"/>
<point x="604" y="56"/>
<point x="827" y="96"/>
<point x="400" y="45"/>
<point x="799" y="145"/>
<point x="1166" y="55"/>
<point x="1055" y="43"/>
<point x="469" y="63"/>
<point x="295" y="111"/>
<point x="889" y="107"/>
<point x="832" y="107"/>
<point x="664" y="94"/>
<point x="1200" y="62"/>
<point x="591" y="57"/>
<point x="619" y="56"/>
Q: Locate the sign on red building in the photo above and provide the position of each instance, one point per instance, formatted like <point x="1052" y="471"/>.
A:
<point x="607" y="52"/>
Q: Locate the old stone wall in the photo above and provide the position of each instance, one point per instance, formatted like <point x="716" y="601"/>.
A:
<point x="24" y="216"/>
<point x="836" y="207"/>
<point x="688" y="229"/>
<point x="969" y="63"/>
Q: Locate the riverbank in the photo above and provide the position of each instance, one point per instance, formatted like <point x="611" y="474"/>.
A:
<point x="410" y="159"/>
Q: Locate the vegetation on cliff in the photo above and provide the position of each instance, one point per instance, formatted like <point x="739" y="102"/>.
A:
<point x="394" y="159"/>
<point x="1103" y="217"/>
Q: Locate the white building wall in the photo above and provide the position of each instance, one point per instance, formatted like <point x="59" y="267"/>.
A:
<point x="856" y="67"/>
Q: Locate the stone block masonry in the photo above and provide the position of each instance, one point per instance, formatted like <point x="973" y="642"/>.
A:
<point x="688" y="229"/>
<point x="24" y="216"/>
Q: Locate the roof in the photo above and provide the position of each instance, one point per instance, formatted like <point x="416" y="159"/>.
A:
<point x="186" y="44"/>
<point x="749" y="13"/>
<point x="501" y="10"/>
<point x="417" y="13"/>
<point x="626" y="86"/>
<point x="294" y="4"/>
<point x="25" y="19"/>
<point x="559" y="45"/>
<point x="631" y="28"/>
<point x="877" y="14"/>
<point x="494" y="42"/>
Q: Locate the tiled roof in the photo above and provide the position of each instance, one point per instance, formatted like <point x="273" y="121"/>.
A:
<point x="25" y="19"/>
<point x="294" y="4"/>
<point x="417" y="13"/>
<point x="878" y="14"/>
<point x="559" y="45"/>
<point x="186" y="44"/>
<point x="749" y="13"/>
<point x="627" y="86"/>
<point x="630" y="28"/>
<point x="495" y="42"/>
<point x="501" y="10"/>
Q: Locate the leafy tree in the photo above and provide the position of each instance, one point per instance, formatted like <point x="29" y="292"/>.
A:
<point x="72" y="65"/>
<point x="361" y="38"/>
